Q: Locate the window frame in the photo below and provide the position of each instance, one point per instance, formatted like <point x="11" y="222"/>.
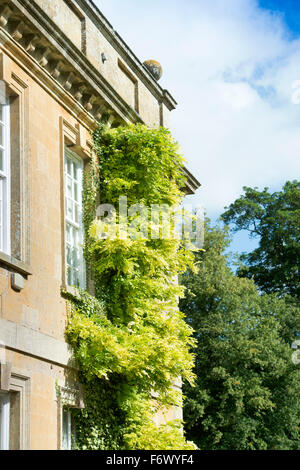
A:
<point x="16" y="92"/>
<point x="74" y="226"/>
<point x="4" y="421"/>
<point x="5" y="183"/>
<point x="71" y="437"/>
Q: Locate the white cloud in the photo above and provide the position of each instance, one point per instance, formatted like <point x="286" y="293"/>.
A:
<point x="230" y="66"/>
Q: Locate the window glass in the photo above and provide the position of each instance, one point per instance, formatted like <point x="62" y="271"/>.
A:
<point x="1" y="135"/>
<point x="74" y="226"/>
<point x="5" y="178"/>
<point x="68" y="430"/>
<point x="1" y="159"/>
<point x="4" y="421"/>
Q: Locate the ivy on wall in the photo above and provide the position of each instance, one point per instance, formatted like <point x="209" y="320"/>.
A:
<point x="130" y="339"/>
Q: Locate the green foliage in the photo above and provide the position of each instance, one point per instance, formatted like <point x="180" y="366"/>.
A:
<point x="275" y="219"/>
<point x="132" y="342"/>
<point x="143" y="164"/>
<point x="165" y="437"/>
<point x="102" y="424"/>
<point x="247" y="393"/>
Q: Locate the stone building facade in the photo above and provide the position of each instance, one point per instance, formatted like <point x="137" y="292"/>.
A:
<point x="62" y="67"/>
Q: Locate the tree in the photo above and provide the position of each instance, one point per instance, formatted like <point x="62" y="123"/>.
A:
<point x="275" y="219"/>
<point x="247" y="393"/>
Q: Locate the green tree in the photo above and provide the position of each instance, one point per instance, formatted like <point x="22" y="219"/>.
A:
<point x="275" y="219"/>
<point x="247" y="393"/>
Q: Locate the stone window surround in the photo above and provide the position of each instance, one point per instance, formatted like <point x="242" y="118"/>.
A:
<point x="67" y="398"/>
<point x="67" y="416"/>
<point x="18" y="383"/>
<point x="71" y="137"/>
<point x="5" y="173"/>
<point x="4" y="420"/>
<point x="18" y="92"/>
<point x="21" y="385"/>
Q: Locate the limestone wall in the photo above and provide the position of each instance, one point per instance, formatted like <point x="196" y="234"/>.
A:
<point x="46" y="117"/>
<point x="32" y="322"/>
<point x="94" y="40"/>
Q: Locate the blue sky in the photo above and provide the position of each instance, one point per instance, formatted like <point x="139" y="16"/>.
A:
<point x="290" y="10"/>
<point x="232" y="66"/>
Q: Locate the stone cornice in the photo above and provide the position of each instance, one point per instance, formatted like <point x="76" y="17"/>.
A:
<point x="38" y="44"/>
<point x="192" y="184"/>
<point x="138" y="68"/>
<point x="42" y="41"/>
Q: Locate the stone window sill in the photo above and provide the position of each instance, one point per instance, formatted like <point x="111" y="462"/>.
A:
<point x="15" y="264"/>
<point x="70" y="292"/>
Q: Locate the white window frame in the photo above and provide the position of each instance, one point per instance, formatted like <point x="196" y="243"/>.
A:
<point x="5" y="245"/>
<point x="66" y="443"/>
<point x="4" y="420"/>
<point x="76" y="227"/>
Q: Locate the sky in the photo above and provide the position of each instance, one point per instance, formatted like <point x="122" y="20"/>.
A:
<point x="233" y="66"/>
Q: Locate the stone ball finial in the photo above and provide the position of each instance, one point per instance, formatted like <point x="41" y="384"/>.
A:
<point x="154" y="68"/>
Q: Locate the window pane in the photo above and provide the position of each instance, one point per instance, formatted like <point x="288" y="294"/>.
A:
<point x="74" y="236"/>
<point x="74" y="227"/>
<point x="1" y="160"/>
<point x="69" y="276"/>
<point x="69" y="257"/>
<point x="69" y="167"/>
<point x="4" y="421"/>
<point x="75" y="260"/>
<point x="5" y="168"/>
<point x="76" y="171"/>
<point x="73" y="169"/>
<point x="77" y="214"/>
<point x="69" y="187"/>
<point x="68" y="234"/>
<point x="1" y="112"/>
<point x="66" y="430"/>
<point x="69" y="205"/>
<point x="2" y="135"/>
<point x="76" y="279"/>
<point x="76" y="192"/>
